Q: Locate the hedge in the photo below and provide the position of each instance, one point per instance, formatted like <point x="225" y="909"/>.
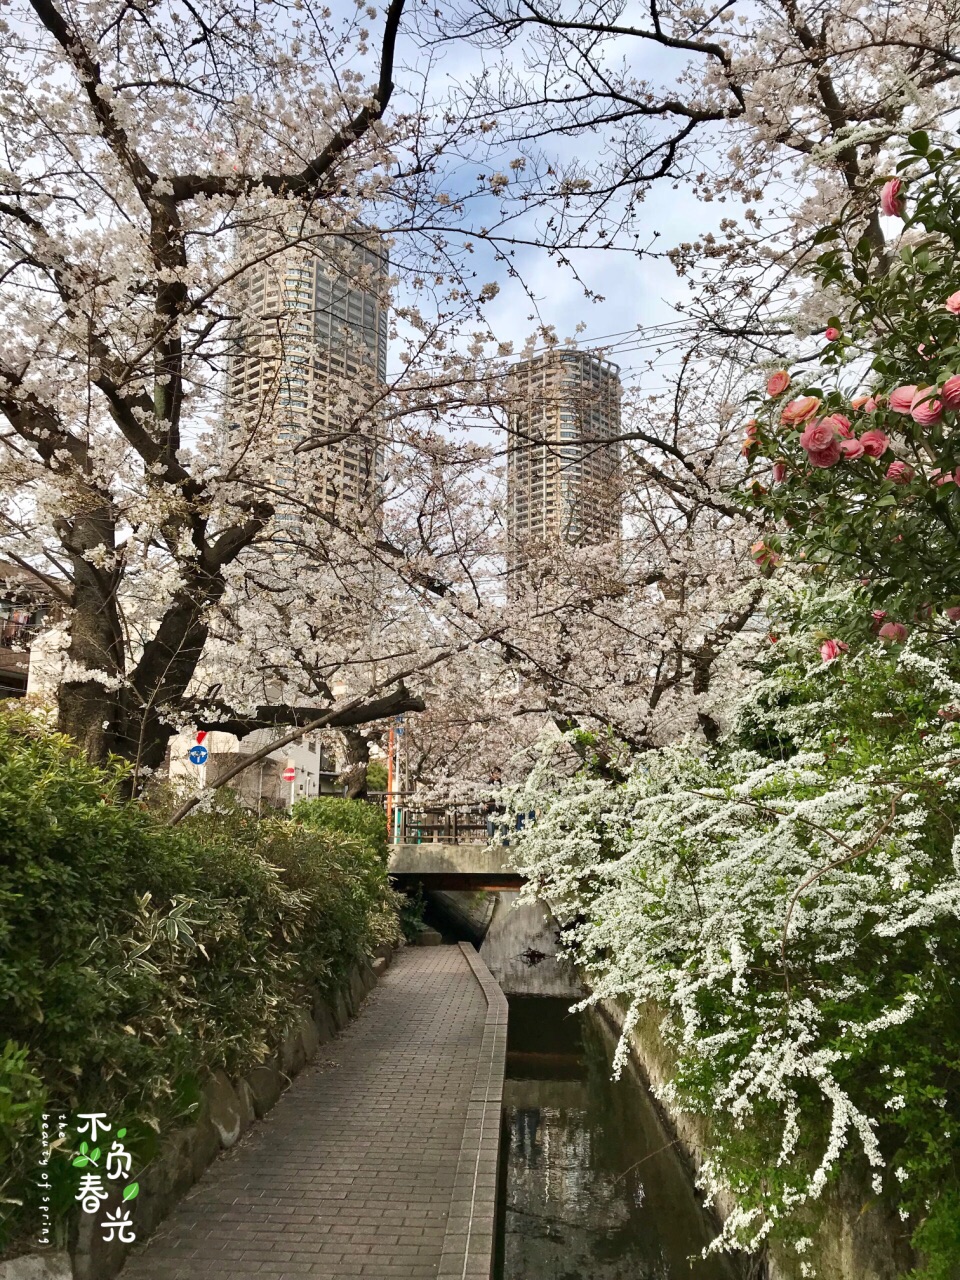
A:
<point x="135" y="957"/>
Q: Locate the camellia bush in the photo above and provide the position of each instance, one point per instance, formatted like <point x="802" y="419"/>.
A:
<point x="858" y="462"/>
<point x="785" y="908"/>
<point x="136" y="957"/>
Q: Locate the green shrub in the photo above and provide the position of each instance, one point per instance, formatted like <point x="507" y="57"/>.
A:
<point x="135" y="957"/>
<point x="352" y="817"/>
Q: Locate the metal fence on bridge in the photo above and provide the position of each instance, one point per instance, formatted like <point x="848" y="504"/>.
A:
<point x="410" y="822"/>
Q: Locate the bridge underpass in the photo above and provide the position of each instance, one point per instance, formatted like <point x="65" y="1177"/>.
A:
<point x="436" y="865"/>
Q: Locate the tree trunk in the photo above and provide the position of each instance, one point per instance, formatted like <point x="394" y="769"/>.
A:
<point x="354" y="774"/>
<point x="87" y="709"/>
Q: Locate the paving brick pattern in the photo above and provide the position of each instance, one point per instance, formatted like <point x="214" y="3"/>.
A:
<point x="379" y="1161"/>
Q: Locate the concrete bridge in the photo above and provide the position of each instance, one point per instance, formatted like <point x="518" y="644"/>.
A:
<point x="453" y="866"/>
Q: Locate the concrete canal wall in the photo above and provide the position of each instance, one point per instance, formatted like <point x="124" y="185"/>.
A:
<point x="856" y="1237"/>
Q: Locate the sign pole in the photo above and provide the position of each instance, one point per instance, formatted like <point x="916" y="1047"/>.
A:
<point x="390" y="741"/>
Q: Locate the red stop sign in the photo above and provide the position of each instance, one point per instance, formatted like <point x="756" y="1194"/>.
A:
<point x="289" y="773"/>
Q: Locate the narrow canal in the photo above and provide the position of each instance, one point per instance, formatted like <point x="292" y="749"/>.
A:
<point x="592" y="1187"/>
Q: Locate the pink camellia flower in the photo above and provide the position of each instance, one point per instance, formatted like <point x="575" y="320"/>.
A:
<point x="875" y="443"/>
<point x="891" y="201"/>
<point x="765" y="557"/>
<point x="779" y="471"/>
<point x="831" y="649"/>
<point x="950" y="393"/>
<point x="841" y="425"/>
<point x="799" y="410"/>
<point x="953" y="303"/>
<point x="876" y="620"/>
<point x="926" y="410"/>
<point x="851" y="449"/>
<point x="902" y="398"/>
<point x="825" y="457"/>
<point x="819" y="434"/>
<point x="858" y="402"/>
<point x="778" y="382"/>
<point x="953" y="613"/>
<point x="750" y="438"/>
<point x="939" y="477"/>
<point x="894" y="631"/>
<point x="831" y="334"/>
<point x="900" y="472"/>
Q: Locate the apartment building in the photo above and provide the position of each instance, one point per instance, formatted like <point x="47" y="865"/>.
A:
<point x="563" y="464"/>
<point x="309" y="362"/>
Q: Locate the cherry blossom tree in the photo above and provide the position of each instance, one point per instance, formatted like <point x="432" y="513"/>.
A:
<point x="157" y="164"/>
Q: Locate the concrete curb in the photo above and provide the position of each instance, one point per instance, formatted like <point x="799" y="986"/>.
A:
<point x="468" y="1244"/>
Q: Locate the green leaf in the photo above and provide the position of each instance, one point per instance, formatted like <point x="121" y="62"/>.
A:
<point x="919" y="141"/>
<point x="131" y="1191"/>
<point x="121" y="1133"/>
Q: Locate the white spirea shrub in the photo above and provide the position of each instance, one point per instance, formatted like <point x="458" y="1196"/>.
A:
<point x="788" y="909"/>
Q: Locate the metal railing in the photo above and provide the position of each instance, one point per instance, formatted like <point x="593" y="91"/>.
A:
<point x="450" y="823"/>
<point x="14" y="635"/>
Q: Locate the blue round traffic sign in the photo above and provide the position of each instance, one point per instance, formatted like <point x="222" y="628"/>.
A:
<point x="198" y="755"/>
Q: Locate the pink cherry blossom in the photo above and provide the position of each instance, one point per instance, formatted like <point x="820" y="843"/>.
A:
<point x="778" y="382"/>
<point x="894" y="631"/>
<point x="891" y="201"/>
<point x="950" y="392"/>
<point x="875" y="443"/>
<point x="831" y="649"/>
<point x="799" y="410"/>
<point x="852" y="449"/>
<point x="900" y="472"/>
<point x="902" y="398"/>
<point x="953" y="303"/>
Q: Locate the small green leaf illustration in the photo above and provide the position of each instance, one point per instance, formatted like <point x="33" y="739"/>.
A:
<point x="131" y="1191"/>
<point x="121" y="1133"/>
<point x="94" y="1155"/>
<point x="84" y="1148"/>
<point x="79" y="1161"/>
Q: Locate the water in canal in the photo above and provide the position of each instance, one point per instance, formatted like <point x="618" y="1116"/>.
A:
<point x="592" y="1188"/>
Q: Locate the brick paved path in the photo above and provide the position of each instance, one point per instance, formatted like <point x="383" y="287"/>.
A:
<point x="353" y="1172"/>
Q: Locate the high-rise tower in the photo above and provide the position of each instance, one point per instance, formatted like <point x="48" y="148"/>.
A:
<point x="563" y="464"/>
<point x="309" y="361"/>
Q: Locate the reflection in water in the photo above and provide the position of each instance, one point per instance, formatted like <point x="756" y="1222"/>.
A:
<point x="594" y="1189"/>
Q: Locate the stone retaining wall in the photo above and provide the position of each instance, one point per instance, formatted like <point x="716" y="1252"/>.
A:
<point x="227" y="1109"/>
<point x="858" y="1237"/>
